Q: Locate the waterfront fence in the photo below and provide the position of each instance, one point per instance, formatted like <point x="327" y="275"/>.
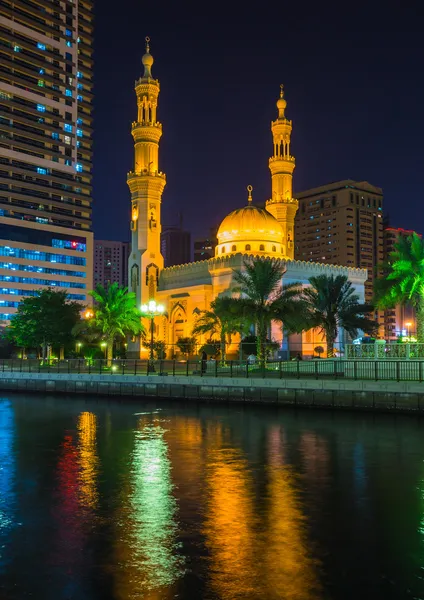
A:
<point x="376" y="370"/>
<point x="385" y="351"/>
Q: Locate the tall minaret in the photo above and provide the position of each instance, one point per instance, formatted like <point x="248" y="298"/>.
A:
<point x="282" y="205"/>
<point x="146" y="184"/>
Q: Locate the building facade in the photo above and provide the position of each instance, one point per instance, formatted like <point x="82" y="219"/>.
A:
<point x="111" y="263"/>
<point x="341" y="223"/>
<point x="249" y="231"/>
<point x="204" y="247"/>
<point x="45" y="149"/>
<point x="175" y="245"/>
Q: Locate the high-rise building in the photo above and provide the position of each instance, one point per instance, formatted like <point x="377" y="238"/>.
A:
<point x="401" y="319"/>
<point x="175" y="245"/>
<point x="204" y="247"/>
<point x="45" y="149"/>
<point x="111" y="263"/>
<point x="341" y="223"/>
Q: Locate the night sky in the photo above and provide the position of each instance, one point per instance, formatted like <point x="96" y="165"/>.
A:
<point x="355" y="97"/>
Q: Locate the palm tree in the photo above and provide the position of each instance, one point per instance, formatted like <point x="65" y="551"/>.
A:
<point x="331" y="303"/>
<point x="221" y="320"/>
<point x="264" y="299"/>
<point x="403" y="281"/>
<point x="115" y="314"/>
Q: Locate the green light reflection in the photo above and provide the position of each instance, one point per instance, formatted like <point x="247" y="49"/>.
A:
<point x="149" y="553"/>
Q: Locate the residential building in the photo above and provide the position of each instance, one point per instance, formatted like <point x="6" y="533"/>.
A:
<point x="45" y="149"/>
<point x="341" y="223"/>
<point x="204" y="247"/>
<point x="399" y="320"/>
<point x="175" y="245"/>
<point x="111" y="263"/>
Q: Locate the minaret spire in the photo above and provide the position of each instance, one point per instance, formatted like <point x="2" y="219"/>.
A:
<point x="249" y="194"/>
<point x="282" y="205"/>
<point x="146" y="184"/>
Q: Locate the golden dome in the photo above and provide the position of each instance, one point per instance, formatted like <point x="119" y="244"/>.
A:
<point x="250" y="230"/>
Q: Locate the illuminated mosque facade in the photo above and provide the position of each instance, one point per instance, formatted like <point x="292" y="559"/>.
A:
<point x="187" y="290"/>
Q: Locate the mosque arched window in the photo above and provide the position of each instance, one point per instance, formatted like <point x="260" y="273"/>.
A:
<point x="261" y="248"/>
<point x="274" y="249"/>
<point x="222" y="249"/>
<point x="247" y="247"/>
<point x="233" y="248"/>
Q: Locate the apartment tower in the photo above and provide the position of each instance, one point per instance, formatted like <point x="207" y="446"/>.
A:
<point x="111" y="263"/>
<point x="341" y="223"/>
<point x="45" y="149"/>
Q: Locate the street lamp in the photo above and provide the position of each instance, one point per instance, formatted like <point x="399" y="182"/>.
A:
<point x="152" y="310"/>
<point x="88" y="314"/>
<point x="79" y="347"/>
<point x="103" y="345"/>
<point x="409" y="324"/>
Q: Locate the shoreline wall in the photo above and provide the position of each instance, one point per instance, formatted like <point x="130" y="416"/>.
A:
<point x="388" y="396"/>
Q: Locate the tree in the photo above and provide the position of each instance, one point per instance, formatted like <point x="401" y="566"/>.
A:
<point x="115" y="315"/>
<point x="186" y="345"/>
<point x="264" y="299"/>
<point x="319" y="350"/>
<point x="44" y="320"/>
<point x="403" y="281"/>
<point x="222" y="320"/>
<point x="331" y="302"/>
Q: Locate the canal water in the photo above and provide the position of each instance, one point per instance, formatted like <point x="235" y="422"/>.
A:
<point x="102" y="500"/>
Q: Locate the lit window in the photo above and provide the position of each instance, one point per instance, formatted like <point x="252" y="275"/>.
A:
<point x="41" y="171"/>
<point x="41" y="83"/>
<point x="80" y="98"/>
<point x="41" y="108"/>
<point x="68" y="32"/>
<point x="67" y="139"/>
<point x="78" y="144"/>
<point x="68" y="162"/>
<point x="16" y="48"/>
<point x="261" y="248"/>
<point x="69" y="44"/>
<point x="79" y="75"/>
<point x="80" y="133"/>
<point x="55" y="136"/>
<point x="68" y="92"/>
<point x="41" y="46"/>
<point x="67" y="127"/>
<point x="78" y="168"/>
<point x="79" y="121"/>
<point x="80" y="86"/>
<point x="41" y="71"/>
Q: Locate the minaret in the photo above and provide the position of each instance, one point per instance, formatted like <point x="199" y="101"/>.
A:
<point x="146" y="184"/>
<point x="282" y="205"/>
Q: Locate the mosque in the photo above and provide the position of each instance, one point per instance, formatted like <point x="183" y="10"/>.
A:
<point x="188" y="289"/>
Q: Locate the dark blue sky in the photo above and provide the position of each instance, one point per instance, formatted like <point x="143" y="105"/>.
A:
<point x="355" y="96"/>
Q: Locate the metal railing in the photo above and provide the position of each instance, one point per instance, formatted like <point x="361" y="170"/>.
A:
<point x="376" y="370"/>
<point x="388" y="351"/>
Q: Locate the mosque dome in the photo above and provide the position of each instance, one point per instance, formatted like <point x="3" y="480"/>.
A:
<point x="250" y="230"/>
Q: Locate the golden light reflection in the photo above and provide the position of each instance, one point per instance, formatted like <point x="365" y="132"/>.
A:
<point x="289" y="570"/>
<point x="230" y="526"/>
<point x="88" y="459"/>
<point x="149" y="559"/>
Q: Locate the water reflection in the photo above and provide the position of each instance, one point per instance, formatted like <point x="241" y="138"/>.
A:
<point x="290" y="571"/>
<point x="230" y="526"/>
<point x="7" y="470"/>
<point x="88" y="460"/>
<point x="147" y="551"/>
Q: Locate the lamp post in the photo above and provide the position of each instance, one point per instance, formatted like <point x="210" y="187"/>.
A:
<point x="79" y="347"/>
<point x="152" y="310"/>
<point x="409" y="324"/>
<point x="103" y="345"/>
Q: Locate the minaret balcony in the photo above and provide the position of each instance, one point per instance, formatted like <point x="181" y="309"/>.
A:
<point x="282" y="159"/>
<point x="139" y="124"/>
